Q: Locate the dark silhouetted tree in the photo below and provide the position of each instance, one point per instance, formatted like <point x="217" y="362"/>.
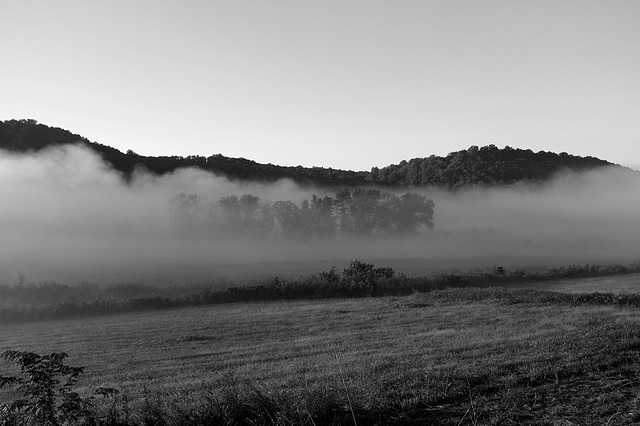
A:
<point x="364" y="209"/>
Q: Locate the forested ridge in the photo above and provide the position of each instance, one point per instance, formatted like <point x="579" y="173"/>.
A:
<point x="484" y="166"/>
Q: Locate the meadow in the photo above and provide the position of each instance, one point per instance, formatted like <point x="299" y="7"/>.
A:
<point x="454" y="356"/>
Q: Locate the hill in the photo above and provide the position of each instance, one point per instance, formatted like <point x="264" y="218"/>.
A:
<point x="29" y="135"/>
<point x="485" y="166"/>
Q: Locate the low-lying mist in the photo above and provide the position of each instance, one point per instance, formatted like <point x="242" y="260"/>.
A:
<point x="65" y="216"/>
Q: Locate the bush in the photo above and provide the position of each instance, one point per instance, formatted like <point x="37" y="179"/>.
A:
<point x="46" y="392"/>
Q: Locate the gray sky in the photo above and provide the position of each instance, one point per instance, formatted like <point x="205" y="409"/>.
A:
<point x="345" y="84"/>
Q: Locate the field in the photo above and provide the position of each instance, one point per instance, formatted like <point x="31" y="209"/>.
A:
<point x="625" y="284"/>
<point x="457" y="356"/>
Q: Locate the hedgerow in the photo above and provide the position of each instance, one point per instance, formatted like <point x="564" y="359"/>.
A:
<point x="359" y="279"/>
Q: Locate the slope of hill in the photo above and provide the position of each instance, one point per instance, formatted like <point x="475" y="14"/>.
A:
<point x="486" y="166"/>
<point x="29" y="135"/>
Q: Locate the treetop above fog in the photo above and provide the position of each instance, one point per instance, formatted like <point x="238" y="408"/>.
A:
<point x="484" y="166"/>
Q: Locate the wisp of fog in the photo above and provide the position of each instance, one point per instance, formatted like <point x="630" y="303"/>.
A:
<point x="66" y="216"/>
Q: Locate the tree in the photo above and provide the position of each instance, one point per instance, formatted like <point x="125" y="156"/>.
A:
<point x="245" y="215"/>
<point x="342" y="208"/>
<point x="264" y="220"/>
<point x="255" y="216"/>
<point x="227" y="209"/>
<point x="413" y="211"/>
<point x="386" y="215"/>
<point x="290" y="218"/>
<point x="183" y="208"/>
<point x="322" y="221"/>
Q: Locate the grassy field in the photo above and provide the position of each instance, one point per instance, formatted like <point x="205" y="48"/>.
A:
<point x="451" y="357"/>
<point x="620" y="284"/>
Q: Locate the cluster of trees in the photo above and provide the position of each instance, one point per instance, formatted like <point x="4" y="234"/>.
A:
<point x="360" y="212"/>
<point x="486" y="166"/>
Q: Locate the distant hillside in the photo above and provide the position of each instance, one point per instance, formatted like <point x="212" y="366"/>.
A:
<point x="486" y="166"/>
<point x="28" y="135"/>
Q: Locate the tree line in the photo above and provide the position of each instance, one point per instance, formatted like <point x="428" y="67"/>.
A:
<point x="361" y="212"/>
<point x="485" y="166"/>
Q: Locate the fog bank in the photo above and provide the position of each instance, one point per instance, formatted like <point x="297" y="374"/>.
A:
<point x="66" y="216"/>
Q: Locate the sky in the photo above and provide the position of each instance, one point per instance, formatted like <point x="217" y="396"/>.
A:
<point x="333" y="83"/>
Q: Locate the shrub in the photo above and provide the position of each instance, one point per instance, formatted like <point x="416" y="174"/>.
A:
<point x="46" y="392"/>
<point x="361" y="271"/>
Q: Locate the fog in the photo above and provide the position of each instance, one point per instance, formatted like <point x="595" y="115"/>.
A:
<point x="67" y="217"/>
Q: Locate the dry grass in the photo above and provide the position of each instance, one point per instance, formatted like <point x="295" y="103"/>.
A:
<point x="618" y="284"/>
<point x="438" y="356"/>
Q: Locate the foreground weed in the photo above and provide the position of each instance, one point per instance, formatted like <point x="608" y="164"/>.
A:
<point x="46" y="392"/>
